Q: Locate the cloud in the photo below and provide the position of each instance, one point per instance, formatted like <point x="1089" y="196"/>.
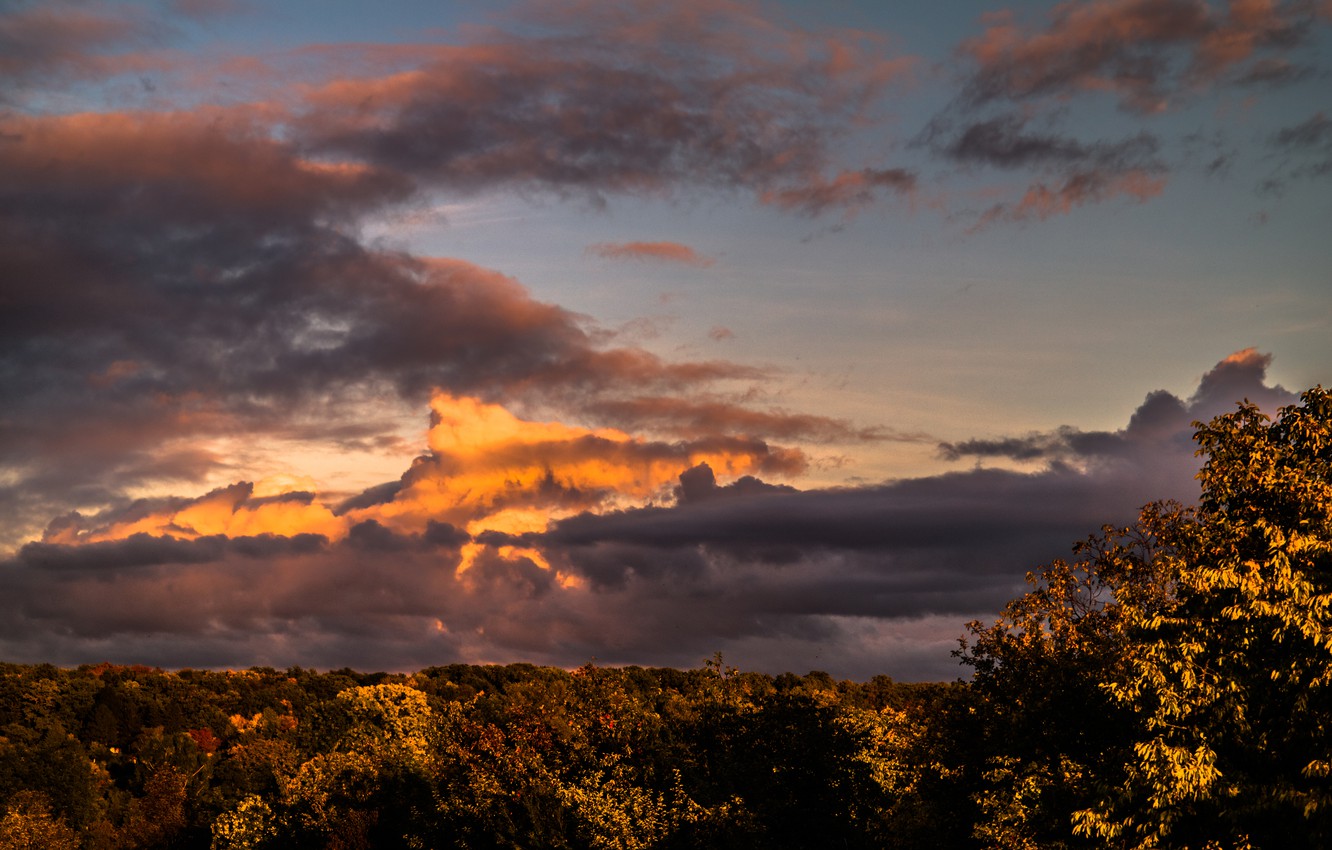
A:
<point x="1042" y="200"/>
<point x="1145" y="53"/>
<point x="47" y="44"/>
<point x="140" y="550"/>
<point x="198" y="274"/>
<point x="490" y="470"/>
<point x="665" y="252"/>
<point x="486" y="470"/>
<point x="699" y="416"/>
<point x="201" y="279"/>
<point x="1160" y="430"/>
<point x="1275" y="73"/>
<point x="1312" y="134"/>
<point x="595" y="99"/>
<point x="233" y="511"/>
<point x="1304" y="149"/>
<point x="1149" y="56"/>
<point x="858" y="580"/>
<point x="1004" y="142"/>
<point x="848" y="191"/>
<point x="1072" y="173"/>
<point x="204" y="9"/>
<point x="59" y="40"/>
<point x="185" y="280"/>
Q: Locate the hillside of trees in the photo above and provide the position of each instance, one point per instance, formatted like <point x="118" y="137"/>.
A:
<point x="1168" y="686"/>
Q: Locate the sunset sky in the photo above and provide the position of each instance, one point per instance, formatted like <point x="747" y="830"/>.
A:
<point x="398" y="334"/>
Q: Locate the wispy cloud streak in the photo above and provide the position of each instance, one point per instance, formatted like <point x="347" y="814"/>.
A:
<point x="662" y="252"/>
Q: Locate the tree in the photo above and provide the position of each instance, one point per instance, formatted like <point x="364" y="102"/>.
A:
<point x="29" y="825"/>
<point x="159" y="815"/>
<point x="1173" y="687"/>
<point x="1050" y="735"/>
<point x="374" y="787"/>
<point x="247" y="827"/>
<point x="1231" y="671"/>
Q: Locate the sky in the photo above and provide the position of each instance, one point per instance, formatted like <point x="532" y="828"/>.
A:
<point x="410" y="333"/>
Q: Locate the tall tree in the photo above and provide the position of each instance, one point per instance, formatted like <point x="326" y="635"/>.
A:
<point x="1049" y="734"/>
<point x="1232" y="670"/>
<point x="1173" y="686"/>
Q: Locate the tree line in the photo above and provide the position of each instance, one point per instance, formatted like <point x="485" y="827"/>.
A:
<point x="1167" y="686"/>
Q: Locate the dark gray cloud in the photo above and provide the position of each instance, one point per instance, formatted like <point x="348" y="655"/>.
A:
<point x="1005" y="142"/>
<point x="848" y="191"/>
<point x="1066" y="172"/>
<point x="1303" y="151"/>
<point x="208" y="291"/>
<point x="142" y="550"/>
<point x="1160" y="430"/>
<point x="857" y="581"/>
<point x="1276" y="73"/>
<point x="699" y="484"/>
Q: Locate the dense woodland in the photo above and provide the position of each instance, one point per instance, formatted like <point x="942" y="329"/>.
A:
<point x="1168" y="686"/>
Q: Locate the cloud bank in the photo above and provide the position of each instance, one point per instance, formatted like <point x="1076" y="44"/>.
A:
<point x="515" y="539"/>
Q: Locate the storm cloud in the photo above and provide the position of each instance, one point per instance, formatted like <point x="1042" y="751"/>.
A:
<point x="772" y="575"/>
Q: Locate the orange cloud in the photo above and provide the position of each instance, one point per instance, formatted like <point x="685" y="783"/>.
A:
<point x="1041" y="201"/>
<point x="668" y="252"/>
<point x="487" y="471"/>
<point x="232" y="511"/>
<point x="491" y="471"/>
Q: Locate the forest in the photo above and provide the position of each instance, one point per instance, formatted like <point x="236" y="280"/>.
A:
<point x="1166" y="686"/>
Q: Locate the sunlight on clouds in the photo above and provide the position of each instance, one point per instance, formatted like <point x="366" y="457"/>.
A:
<point x="235" y="511"/>
<point x="491" y="471"/>
<point x="510" y="521"/>
<point x="487" y="471"/>
<point x="282" y="484"/>
<point x="468" y="429"/>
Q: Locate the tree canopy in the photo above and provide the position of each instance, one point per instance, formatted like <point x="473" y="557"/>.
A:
<point x="1170" y="688"/>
